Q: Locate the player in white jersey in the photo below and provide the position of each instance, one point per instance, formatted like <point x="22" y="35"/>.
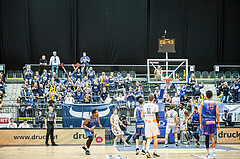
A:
<point x="172" y="124"/>
<point x="183" y="117"/>
<point x="114" y="120"/>
<point x="151" y="119"/>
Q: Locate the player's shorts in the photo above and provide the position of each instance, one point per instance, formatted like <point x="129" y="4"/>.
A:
<point x="89" y="133"/>
<point x="209" y="127"/>
<point x="151" y="130"/>
<point x="140" y="129"/>
<point x="117" y="132"/>
<point x="170" y="127"/>
<point x="182" y="127"/>
<point x="196" y="129"/>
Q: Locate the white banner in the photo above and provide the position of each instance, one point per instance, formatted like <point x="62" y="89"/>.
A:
<point x="4" y="119"/>
<point x="234" y="110"/>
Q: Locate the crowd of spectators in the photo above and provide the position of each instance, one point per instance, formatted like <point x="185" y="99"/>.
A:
<point x="2" y="90"/>
<point x="229" y="91"/>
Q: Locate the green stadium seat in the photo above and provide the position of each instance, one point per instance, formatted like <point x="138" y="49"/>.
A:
<point x="212" y="75"/>
<point x="197" y="74"/>
<point x="133" y="73"/>
<point x="228" y="74"/>
<point x="124" y="74"/>
<point x="60" y="74"/>
<point x="19" y="74"/>
<point x="220" y="74"/>
<point x="205" y="74"/>
<point x="235" y="74"/>
<point x="10" y="73"/>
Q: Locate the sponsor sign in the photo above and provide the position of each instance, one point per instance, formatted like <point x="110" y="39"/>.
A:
<point x="4" y="120"/>
<point x="228" y="135"/>
<point x="38" y="136"/>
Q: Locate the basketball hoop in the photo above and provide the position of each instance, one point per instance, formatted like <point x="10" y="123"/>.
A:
<point x="168" y="82"/>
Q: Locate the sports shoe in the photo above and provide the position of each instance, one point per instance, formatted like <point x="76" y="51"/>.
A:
<point x="208" y="156"/>
<point x="198" y="144"/>
<point x="148" y="155"/>
<point x="115" y="144"/>
<point x="188" y="143"/>
<point x="137" y="151"/>
<point x="155" y="155"/>
<point x="126" y="144"/>
<point x="84" y="148"/>
<point x="87" y="152"/>
<point x="54" y="144"/>
<point x="176" y="144"/>
<point x="214" y="155"/>
<point x="165" y="145"/>
<point x="143" y="152"/>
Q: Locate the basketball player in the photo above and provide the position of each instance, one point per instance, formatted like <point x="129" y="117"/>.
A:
<point x="172" y="124"/>
<point x="151" y="119"/>
<point x="196" y="124"/>
<point x="89" y="125"/>
<point x="182" y="127"/>
<point x="209" y="112"/>
<point x="114" y="120"/>
<point x="140" y="130"/>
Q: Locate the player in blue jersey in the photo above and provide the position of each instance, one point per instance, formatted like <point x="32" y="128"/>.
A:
<point x="89" y="125"/>
<point x="209" y="113"/>
<point x="196" y="124"/>
<point x="140" y="127"/>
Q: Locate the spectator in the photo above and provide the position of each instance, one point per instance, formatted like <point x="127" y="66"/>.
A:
<point x="69" y="83"/>
<point x="35" y="90"/>
<point x="28" y="75"/>
<point x="236" y="91"/>
<point x="128" y="79"/>
<point x="130" y="97"/>
<point x="39" y="119"/>
<point x="77" y="83"/>
<point x="167" y="98"/>
<point x="185" y="99"/>
<point x="227" y="118"/>
<point x="42" y="63"/>
<point x="1" y="77"/>
<point x="78" y="74"/>
<point x="193" y="79"/>
<point x="41" y="93"/>
<point x="85" y="81"/>
<point x="104" y="82"/>
<point x="51" y="98"/>
<point x="200" y="99"/>
<point x="95" y="91"/>
<point x="31" y="103"/>
<point x="226" y="93"/>
<point x="55" y="62"/>
<point x="1" y="99"/>
<point x="61" y="89"/>
<point x="2" y="86"/>
<point x="24" y="124"/>
<point x="101" y="77"/>
<point x="120" y="82"/>
<point x="84" y="60"/>
<point x="123" y="127"/>
<point x="112" y="79"/>
<point x="139" y="94"/>
<point x="39" y="78"/>
<point x="158" y="73"/>
<point x="104" y="94"/>
<point x="137" y="86"/>
<point x="183" y="90"/>
<point x="45" y="82"/>
<point x="45" y="74"/>
<point x="86" y="99"/>
<point x="60" y="100"/>
<point x="69" y="90"/>
<point x="12" y="124"/>
<point x="91" y="74"/>
<point x="193" y="100"/>
<point x="197" y="88"/>
<point x="156" y="93"/>
<point x="220" y="86"/>
<point x="120" y="99"/>
<point x="69" y="99"/>
<point x="88" y="91"/>
<point x="176" y="100"/>
<point x="78" y="94"/>
<point x="25" y="90"/>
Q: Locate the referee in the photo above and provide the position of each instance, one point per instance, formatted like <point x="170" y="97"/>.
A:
<point x="49" y="125"/>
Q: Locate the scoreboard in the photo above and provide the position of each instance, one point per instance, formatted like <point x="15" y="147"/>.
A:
<point x="166" y="45"/>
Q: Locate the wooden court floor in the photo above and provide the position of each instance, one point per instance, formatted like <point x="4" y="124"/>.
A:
<point x="103" y="152"/>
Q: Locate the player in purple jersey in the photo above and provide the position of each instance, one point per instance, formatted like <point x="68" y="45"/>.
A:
<point x="209" y="113"/>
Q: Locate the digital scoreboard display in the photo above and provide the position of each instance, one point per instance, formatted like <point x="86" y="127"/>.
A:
<point x="166" y="45"/>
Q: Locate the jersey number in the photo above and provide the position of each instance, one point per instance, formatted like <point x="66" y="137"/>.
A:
<point x="149" y="111"/>
<point x="211" y="105"/>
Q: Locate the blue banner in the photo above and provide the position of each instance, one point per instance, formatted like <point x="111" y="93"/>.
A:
<point x="75" y="114"/>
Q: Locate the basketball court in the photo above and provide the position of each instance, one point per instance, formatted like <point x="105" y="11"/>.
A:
<point x="100" y="152"/>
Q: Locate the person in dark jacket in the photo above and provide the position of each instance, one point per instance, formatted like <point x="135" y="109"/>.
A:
<point x="227" y="118"/>
<point x="39" y="119"/>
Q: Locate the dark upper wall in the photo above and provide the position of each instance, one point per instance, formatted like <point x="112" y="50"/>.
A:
<point x="119" y="31"/>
